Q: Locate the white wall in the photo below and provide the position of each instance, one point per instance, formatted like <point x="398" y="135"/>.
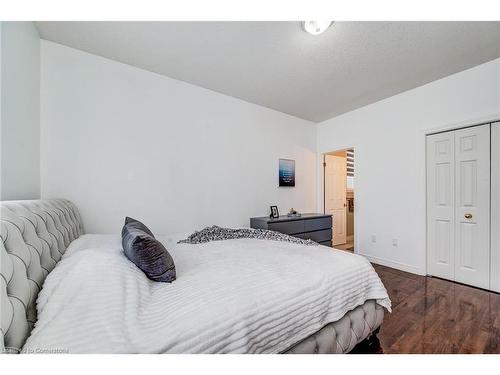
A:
<point x="120" y="141"/>
<point x="389" y="141"/>
<point x="1" y="126"/>
<point x="495" y="208"/>
<point x="20" y="103"/>
<point x="117" y="140"/>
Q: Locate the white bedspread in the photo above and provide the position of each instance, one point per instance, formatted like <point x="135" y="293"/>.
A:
<point x="234" y="296"/>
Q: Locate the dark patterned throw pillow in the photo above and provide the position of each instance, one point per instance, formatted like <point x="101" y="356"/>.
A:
<point x="146" y="252"/>
<point x="133" y="223"/>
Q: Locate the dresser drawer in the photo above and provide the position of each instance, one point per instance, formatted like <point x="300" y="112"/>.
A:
<point x="326" y="243"/>
<point x="318" y="236"/>
<point x="288" y="227"/>
<point x="317" y="224"/>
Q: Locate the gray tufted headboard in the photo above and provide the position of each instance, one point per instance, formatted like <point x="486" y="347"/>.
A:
<point x="35" y="235"/>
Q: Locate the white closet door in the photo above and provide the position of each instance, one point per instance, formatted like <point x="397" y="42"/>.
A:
<point x="440" y="205"/>
<point x="495" y="207"/>
<point x="472" y="206"/>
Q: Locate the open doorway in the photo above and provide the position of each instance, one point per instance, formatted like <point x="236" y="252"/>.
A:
<point x="338" y="189"/>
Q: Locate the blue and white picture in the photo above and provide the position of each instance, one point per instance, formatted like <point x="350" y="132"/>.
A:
<point x="287" y="172"/>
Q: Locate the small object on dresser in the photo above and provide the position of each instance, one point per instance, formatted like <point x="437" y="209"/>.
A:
<point x="274" y="213"/>
<point x="293" y="213"/>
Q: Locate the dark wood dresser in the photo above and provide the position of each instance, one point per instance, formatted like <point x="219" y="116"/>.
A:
<point x="317" y="227"/>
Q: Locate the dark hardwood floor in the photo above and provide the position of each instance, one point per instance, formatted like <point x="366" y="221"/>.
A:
<point x="431" y="315"/>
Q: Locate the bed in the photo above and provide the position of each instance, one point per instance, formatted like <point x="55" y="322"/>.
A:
<point x="234" y="296"/>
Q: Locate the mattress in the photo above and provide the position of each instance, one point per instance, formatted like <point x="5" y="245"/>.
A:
<point x="234" y="296"/>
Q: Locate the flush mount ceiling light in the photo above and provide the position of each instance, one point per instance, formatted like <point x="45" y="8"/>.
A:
<point x="316" y="27"/>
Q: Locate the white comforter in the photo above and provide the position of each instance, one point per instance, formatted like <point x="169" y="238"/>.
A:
<point x="238" y="296"/>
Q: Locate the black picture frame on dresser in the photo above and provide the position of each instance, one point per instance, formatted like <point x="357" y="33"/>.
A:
<point x="316" y="227"/>
<point x="274" y="212"/>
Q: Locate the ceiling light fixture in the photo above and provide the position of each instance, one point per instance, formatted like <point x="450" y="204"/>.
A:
<point x="316" y="27"/>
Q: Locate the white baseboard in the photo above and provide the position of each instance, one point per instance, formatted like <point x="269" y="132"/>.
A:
<point x="394" y="264"/>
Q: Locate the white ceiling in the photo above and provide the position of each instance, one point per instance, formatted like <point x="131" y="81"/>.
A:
<point x="277" y="65"/>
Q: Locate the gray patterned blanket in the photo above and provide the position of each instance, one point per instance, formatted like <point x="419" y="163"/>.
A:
<point x="216" y="233"/>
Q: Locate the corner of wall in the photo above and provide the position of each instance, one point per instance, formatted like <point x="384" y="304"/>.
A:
<point x="1" y="99"/>
<point x="20" y="111"/>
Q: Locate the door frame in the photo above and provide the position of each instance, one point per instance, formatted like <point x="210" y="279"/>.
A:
<point x="443" y="129"/>
<point x="321" y="166"/>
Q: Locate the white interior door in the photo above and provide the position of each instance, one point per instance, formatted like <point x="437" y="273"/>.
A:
<point x="472" y="206"/>
<point x="495" y="207"/>
<point x="440" y="205"/>
<point x="335" y="195"/>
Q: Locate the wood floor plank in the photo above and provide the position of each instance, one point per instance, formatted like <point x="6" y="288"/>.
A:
<point x="431" y="315"/>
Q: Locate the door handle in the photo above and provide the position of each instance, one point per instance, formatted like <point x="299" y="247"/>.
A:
<point x="468" y="216"/>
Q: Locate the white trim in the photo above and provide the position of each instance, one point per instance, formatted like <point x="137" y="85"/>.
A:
<point x="475" y="121"/>
<point x="320" y="190"/>
<point x="394" y="264"/>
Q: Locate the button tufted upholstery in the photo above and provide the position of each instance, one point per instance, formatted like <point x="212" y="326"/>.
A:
<point x="35" y="235"/>
<point x="343" y="335"/>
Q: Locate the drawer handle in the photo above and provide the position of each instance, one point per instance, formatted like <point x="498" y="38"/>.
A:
<point x="468" y="216"/>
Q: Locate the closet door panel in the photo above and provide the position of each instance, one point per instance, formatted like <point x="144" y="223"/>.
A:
<point x="440" y="205"/>
<point x="495" y="207"/>
<point x="472" y="206"/>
